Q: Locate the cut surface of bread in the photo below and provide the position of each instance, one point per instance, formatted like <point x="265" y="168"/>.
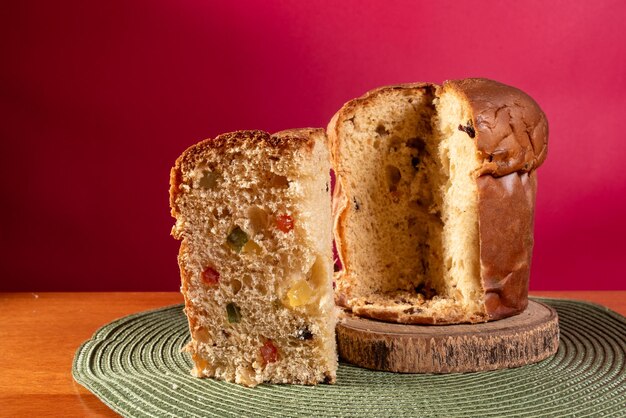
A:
<point x="425" y="173"/>
<point x="253" y="215"/>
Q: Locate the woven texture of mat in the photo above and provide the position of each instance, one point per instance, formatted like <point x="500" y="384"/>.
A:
<point x="135" y="366"/>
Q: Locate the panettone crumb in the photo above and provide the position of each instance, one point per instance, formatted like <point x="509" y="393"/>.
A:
<point x="253" y="214"/>
<point x="409" y="241"/>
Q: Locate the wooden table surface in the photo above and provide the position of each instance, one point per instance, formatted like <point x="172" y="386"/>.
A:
<point x="40" y="332"/>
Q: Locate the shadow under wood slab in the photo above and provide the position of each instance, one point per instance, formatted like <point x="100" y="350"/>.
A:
<point x="523" y="339"/>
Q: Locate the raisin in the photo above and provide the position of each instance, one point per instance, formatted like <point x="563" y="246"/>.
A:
<point x="412" y="310"/>
<point x="234" y="314"/>
<point x="304" y="333"/>
<point x="269" y="352"/>
<point x="237" y="239"/>
<point x="327" y="187"/>
<point x="469" y="129"/>
<point x="210" y="276"/>
<point x="284" y="223"/>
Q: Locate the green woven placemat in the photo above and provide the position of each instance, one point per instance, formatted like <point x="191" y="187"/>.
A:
<point x="135" y="366"/>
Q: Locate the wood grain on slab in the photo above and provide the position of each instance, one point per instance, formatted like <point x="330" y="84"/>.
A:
<point x="523" y="339"/>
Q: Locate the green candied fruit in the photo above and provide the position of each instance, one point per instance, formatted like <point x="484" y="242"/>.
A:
<point x="234" y="314"/>
<point x="237" y="239"/>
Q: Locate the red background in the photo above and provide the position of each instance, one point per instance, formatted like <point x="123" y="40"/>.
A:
<point x="99" y="98"/>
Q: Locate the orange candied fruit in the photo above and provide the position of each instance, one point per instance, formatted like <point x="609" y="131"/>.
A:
<point x="269" y="352"/>
<point x="210" y="276"/>
<point x="284" y="223"/>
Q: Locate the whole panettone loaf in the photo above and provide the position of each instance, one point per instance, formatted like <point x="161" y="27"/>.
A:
<point x="434" y="200"/>
<point x="254" y="219"/>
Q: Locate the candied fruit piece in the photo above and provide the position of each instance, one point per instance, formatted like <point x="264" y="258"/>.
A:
<point x="284" y="223"/>
<point x="237" y="239"/>
<point x="269" y="352"/>
<point x="251" y="247"/>
<point x="210" y="276"/>
<point x="300" y="293"/>
<point x="200" y="364"/>
<point x="201" y="334"/>
<point x="234" y="314"/>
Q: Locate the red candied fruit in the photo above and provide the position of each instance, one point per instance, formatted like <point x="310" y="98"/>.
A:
<point x="269" y="352"/>
<point x="284" y="223"/>
<point x="210" y="276"/>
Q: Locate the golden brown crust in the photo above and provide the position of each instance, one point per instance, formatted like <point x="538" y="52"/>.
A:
<point x="382" y="313"/>
<point x="505" y="222"/>
<point x="280" y="141"/>
<point x="510" y="130"/>
<point x="511" y="134"/>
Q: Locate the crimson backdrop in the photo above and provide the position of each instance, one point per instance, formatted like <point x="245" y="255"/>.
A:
<point x="98" y="98"/>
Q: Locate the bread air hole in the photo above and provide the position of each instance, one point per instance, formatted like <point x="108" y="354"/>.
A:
<point x="417" y="143"/>
<point x="208" y="179"/>
<point x="381" y="130"/>
<point x="247" y="281"/>
<point x="278" y="181"/>
<point x="261" y="288"/>
<point x="258" y="220"/>
<point x="235" y="286"/>
<point x="393" y="177"/>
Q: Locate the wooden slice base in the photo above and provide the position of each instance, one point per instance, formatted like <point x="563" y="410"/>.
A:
<point x="523" y="339"/>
